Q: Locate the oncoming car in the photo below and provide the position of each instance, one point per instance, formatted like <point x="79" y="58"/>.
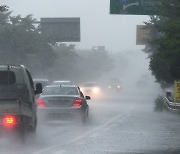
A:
<point x="91" y="88"/>
<point x="61" y="102"/>
<point x="115" y="84"/>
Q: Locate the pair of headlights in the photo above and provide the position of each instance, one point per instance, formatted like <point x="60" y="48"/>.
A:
<point x="117" y="87"/>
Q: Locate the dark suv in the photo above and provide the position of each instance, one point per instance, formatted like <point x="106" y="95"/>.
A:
<point x="18" y="109"/>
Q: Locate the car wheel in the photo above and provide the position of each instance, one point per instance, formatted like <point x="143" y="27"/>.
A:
<point x="33" y="127"/>
<point x="85" y="115"/>
<point x="22" y="130"/>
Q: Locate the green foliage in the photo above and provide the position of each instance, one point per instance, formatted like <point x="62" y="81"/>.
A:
<point x="164" y="47"/>
<point x="66" y="62"/>
<point x="3" y="8"/>
<point x="79" y="65"/>
<point x="21" y="42"/>
<point x="159" y="104"/>
<point x="94" y="63"/>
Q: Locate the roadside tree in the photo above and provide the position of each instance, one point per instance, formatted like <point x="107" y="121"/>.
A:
<point x="21" y="42"/>
<point x="164" y="46"/>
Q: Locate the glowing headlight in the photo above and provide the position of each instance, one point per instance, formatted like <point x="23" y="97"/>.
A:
<point x="119" y="86"/>
<point x="95" y="90"/>
<point x="109" y="87"/>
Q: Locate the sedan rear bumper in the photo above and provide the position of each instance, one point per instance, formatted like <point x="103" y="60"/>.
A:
<point x="60" y="109"/>
<point x="50" y="113"/>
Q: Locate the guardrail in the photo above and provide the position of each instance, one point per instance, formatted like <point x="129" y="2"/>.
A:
<point x="173" y="106"/>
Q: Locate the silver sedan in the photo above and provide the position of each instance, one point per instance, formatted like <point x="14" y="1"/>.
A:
<point x="61" y="102"/>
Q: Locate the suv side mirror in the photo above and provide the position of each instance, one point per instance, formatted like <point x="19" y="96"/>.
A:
<point x="38" y="88"/>
<point x="88" y="97"/>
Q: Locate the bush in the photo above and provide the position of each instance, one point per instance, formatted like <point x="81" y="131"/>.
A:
<point x="159" y="104"/>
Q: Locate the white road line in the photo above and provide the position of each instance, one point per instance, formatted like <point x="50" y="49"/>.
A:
<point x="45" y="149"/>
<point x="79" y="143"/>
<point x="59" y="152"/>
<point x="94" y="135"/>
<point x="87" y="134"/>
<point x="106" y="129"/>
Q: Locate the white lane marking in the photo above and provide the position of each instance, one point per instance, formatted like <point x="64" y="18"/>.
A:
<point x="106" y="129"/>
<point x="94" y="135"/>
<point x="96" y="130"/>
<point x="59" y="152"/>
<point x="45" y="149"/>
<point x="120" y="121"/>
<point x="87" y="134"/>
<point x="79" y="143"/>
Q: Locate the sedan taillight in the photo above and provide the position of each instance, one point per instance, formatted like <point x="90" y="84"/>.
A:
<point x="77" y="102"/>
<point x="9" y="120"/>
<point x="41" y="103"/>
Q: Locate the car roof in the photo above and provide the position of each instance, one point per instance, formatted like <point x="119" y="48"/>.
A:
<point x="12" y="66"/>
<point x="62" y="86"/>
<point x="61" y="81"/>
<point x="40" y="80"/>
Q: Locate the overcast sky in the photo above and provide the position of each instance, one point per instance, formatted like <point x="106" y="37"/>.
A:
<point x="98" y="27"/>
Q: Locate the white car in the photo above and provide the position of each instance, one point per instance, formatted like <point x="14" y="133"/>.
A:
<point x="91" y="89"/>
<point x="63" y="102"/>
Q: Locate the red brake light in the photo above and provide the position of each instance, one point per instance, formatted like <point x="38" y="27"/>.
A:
<point x="41" y="103"/>
<point x="78" y="102"/>
<point x="9" y="120"/>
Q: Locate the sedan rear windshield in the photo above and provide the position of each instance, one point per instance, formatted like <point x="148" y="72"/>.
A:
<point x="60" y="91"/>
<point x="7" y="78"/>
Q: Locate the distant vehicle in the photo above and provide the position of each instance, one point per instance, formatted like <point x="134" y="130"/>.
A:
<point x="17" y="103"/>
<point x="62" y="82"/>
<point x="63" y="102"/>
<point x="44" y="82"/>
<point x="90" y="88"/>
<point x="114" y="84"/>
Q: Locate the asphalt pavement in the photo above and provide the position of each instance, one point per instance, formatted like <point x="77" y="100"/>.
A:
<point x="118" y="124"/>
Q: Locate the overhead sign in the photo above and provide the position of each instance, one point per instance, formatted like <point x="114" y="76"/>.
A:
<point x="142" y="35"/>
<point x="61" y="29"/>
<point x="177" y="91"/>
<point x="134" y="7"/>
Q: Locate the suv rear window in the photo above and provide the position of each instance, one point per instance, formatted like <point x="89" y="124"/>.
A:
<point x="7" y="78"/>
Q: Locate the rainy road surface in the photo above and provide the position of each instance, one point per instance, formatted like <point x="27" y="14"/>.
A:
<point x="116" y="125"/>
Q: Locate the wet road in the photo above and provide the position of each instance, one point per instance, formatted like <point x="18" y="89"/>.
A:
<point x="124" y="124"/>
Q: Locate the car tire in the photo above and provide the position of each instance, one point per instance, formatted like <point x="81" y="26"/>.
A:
<point x="85" y="115"/>
<point x="22" y="130"/>
<point x="32" y="128"/>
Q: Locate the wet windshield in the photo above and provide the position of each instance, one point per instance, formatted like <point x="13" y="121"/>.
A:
<point x="60" y="91"/>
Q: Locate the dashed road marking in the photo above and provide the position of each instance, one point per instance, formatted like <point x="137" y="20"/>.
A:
<point x="90" y="133"/>
<point x="45" y="149"/>
<point x="94" y="135"/>
<point x="59" y="152"/>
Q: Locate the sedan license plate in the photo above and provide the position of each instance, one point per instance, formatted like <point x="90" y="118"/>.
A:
<point x="58" y="103"/>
